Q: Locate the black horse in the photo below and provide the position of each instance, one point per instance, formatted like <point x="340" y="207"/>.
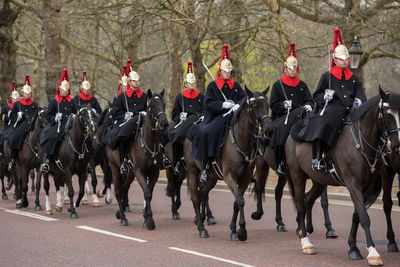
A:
<point x="145" y="152"/>
<point x="357" y="160"/>
<point x="74" y="159"/>
<point x="236" y="161"/>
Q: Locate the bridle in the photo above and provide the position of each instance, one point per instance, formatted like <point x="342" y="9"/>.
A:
<point x="155" y="116"/>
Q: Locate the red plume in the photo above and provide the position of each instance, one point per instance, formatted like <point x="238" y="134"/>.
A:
<point x="84" y="77"/>
<point x="13" y="87"/>
<point x="64" y="76"/>
<point x="224" y="54"/>
<point x="337" y="40"/>
<point x="27" y="80"/>
<point x="124" y="72"/>
<point x="129" y="66"/>
<point x="292" y="52"/>
<point x="189" y="68"/>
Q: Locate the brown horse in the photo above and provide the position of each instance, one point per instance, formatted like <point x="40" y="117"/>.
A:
<point x="74" y="159"/>
<point x="145" y="153"/>
<point x="357" y="161"/>
<point x="237" y="160"/>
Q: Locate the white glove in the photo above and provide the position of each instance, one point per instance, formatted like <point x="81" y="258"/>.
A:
<point x="357" y="102"/>
<point x="307" y="108"/>
<point x="228" y="104"/>
<point x="201" y="119"/>
<point x="235" y="107"/>
<point x="287" y="104"/>
<point x="328" y="94"/>
<point x="183" y="116"/>
<point x="58" y="117"/>
<point x="143" y="113"/>
<point x="20" y="113"/>
<point x="94" y="111"/>
<point x="128" y="115"/>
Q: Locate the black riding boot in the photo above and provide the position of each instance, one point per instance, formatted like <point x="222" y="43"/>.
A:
<point x="318" y="163"/>
<point x="124" y="169"/>
<point x="204" y="174"/>
<point x="279" y="157"/>
<point x="44" y="167"/>
<point x="11" y="165"/>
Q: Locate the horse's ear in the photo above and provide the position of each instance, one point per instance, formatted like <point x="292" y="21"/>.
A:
<point x="265" y="91"/>
<point x="162" y="92"/>
<point x="248" y="92"/>
<point x="149" y="93"/>
<point x="383" y="94"/>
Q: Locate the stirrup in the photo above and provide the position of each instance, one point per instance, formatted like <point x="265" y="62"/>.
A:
<point x="279" y="170"/>
<point x="44" y="167"/>
<point x="166" y="162"/>
<point x="11" y="165"/>
<point x="124" y="169"/>
<point x="130" y="164"/>
<point x="253" y="179"/>
<point x="177" y="169"/>
<point x="318" y="165"/>
<point x="204" y="176"/>
<point x="89" y="169"/>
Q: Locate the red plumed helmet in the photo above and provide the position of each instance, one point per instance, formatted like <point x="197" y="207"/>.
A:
<point x="124" y="77"/>
<point x="27" y="85"/>
<point x="64" y="82"/>
<point x="339" y="50"/>
<point x="224" y="63"/>
<point x="291" y="59"/>
<point x="85" y="83"/>
<point x="13" y="87"/>
<point x="84" y="76"/>
<point x="129" y="66"/>
<point x="27" y="80"/>
<point x="190" y="77"/>
<point x="189" y="68"/>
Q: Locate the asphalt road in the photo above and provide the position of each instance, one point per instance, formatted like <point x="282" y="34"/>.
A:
<point x="31" y="238"/>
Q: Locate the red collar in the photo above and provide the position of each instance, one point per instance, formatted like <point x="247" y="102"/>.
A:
<point x="59" y="98"/>
<point x="221" y="82"/>
<point x="85" y="97"/>
<point x="129" y="92"/>
<point x="190" y="94"/>
<point x="292" y="82"/>
<point x="337" y="72"/>
<point x="11" y="104"/>
<point x="25" y="102"/>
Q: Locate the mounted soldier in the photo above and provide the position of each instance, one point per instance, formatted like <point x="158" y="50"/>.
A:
<point x="85" y="97"/>
<point x="187" y="110"/>
<point x="221" y="100"/>
<point x="290" y="97"/>
<point x="127" y="109"/>
<point x="22" y="115"/>
<point x="58" y="114"/>
<point x="5" y="115"/>
<point x="338" y="91"/>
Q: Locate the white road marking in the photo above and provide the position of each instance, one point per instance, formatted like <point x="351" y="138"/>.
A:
<point x="210" y="257"/>
<point x="88" y="228"/>
<point x="32" y="215"/>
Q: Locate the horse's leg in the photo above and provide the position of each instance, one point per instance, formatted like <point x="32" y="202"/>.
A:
<point x="38" y="185"/>
<point x="262" y="170"/>
<point x="18" y="189"/>
<point x="3" y="190"/>
<point x="387" y="183"/>
<point x="354" y="252"/>
<point x="71" y="192"/>
<point x="210" y="218"/>
<point x="281" y="227"/>
<point x="59" y="201"/>
<point x="82" y="178"/>
<point x="147" y="193"/>
<point x="330" y="232"/>
<point x="95" y="200"/>
<point x="46" y="186"/>
<point x="66" y="198"/>
<point x="120" y="214"/>
<point x="32" y="176"/>
<point x="171" y="192"/>
<point x="25" y="187"/>
<point x="195" y="197"/>
<point x="309" y="200"/>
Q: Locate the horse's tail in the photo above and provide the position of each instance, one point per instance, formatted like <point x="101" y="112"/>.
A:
<point x="373" y="195"/>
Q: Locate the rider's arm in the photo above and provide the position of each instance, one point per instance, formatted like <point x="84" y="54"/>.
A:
<point x="307" y="98"/>
<point x="51" y="111"/>
<point x="359" y="91"/>
<point x="213" y="101"/>
<point x="276" y="99"/>
<point x="320" y="91"/>
<point x="14" y="111"/>
<point x="177" y="108"/>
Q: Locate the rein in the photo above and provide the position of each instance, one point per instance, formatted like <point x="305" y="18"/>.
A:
<point x="86" y="134"/>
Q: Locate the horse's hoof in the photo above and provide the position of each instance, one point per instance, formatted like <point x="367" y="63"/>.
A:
<point x="204" y="234"/>
<point x="354" y="255"/>
<point x="59" y="209"/>
<point x="127" y="208"/>
<point x="308" y="251"/>
<point x="118" y="215"/>
<point x="66" y="201"/>
<point x="234" y="237"/>
<point x="18" y="205"/>
<point x="38" y="207"/>
<point x="49" y="212"/>
<point x="211" y="221"/>
<point x="281" y="228"/>
<point x="331" y="234"/>
<point x="85" y="202"/>
<point x="257" y="215"/>
<point x="393" y="247"/>
<point x="4" y="197"/>
<point x="124" y="222"/>
<point x="108" y="201"/>
<point x="99" y="194"/>
<point x="149" y="224"/>
<point x="242" y="235"/>
<point x="33" y="192"/>
<point x="25" y="203"/>
<point x="309" y="229"/>
<point x="375" y="261"/>
<point x="176" y="216"/>
<point x="73" y="215"/>
<point x="96" y="204"/>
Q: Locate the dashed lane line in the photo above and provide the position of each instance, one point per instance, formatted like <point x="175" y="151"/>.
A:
<point x="32" y="215"/>
<point x="210" y="257"/>
<point x="88" y="228"/>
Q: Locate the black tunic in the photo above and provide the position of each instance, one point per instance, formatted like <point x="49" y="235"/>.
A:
<point x="49" y="137"/>
<point x="23" y="126"/>
<point x="92" y="102"/>
<point x="5" y="111"/>
<point x="328" y="127"/>
<point x="300" y="96"/>
<point x="209" y="137"/>
<point x="193" y="108"/>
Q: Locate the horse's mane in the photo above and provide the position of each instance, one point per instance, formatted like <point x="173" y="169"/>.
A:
<point x="359" y="113"/>
<point x="236" y="115"/>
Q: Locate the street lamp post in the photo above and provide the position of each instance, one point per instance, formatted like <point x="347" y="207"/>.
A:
<point x="355" y="52"/>
<point x="75" y="83"/>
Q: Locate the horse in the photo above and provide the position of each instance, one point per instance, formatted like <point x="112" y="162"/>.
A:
<point x="237" y="160"/>
<point x="73" y="158"/>
<point x="145" y="152"/>
<point x="356" y="160"/>
<point x="263" y="163"/>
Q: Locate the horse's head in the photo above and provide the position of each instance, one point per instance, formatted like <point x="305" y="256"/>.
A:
<point x="156" y="110"/>
<point x="388" y="113"/>
<point x="86" y="117"/>
<point x="258" y="109"/>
